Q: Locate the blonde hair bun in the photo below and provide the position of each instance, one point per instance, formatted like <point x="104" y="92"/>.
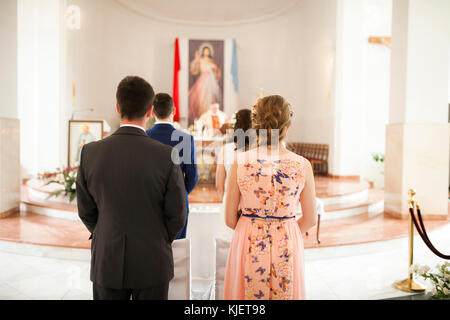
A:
<point x="272" y="113"/>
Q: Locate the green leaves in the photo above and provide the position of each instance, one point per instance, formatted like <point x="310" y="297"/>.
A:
<point x="378" y="157"/>
<point x="72" y="196"/>
<point x="440" y="280"/>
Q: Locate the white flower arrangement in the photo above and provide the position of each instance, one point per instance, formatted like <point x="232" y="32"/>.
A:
<point x="439" y="277"/>
<point x="67" y="178"/>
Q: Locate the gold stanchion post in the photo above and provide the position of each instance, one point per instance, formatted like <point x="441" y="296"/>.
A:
<point x="410" y="285"/>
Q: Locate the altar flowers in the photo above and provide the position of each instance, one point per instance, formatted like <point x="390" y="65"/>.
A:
<point x="67" y="179"/>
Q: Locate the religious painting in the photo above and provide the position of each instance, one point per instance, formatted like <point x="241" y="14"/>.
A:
<point x="82" y="132"/>
<point x="206" y="65"/>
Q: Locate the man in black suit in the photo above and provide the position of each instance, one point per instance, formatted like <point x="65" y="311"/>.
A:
<point x="131" y="197"/>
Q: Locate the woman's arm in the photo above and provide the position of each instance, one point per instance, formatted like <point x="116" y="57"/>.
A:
<point x="233" y="198"/>
<point x="308" y="201"/>
<point x="220" y="175"/>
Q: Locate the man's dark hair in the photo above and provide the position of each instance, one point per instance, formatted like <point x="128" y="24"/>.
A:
<point x="134" y="96"/>
<point x="163" y="105"/>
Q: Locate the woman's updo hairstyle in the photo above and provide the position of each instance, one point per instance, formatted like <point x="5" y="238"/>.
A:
<point x="269" y="114"/>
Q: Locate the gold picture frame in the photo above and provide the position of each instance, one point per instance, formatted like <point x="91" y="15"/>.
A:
<point x="82" y="132"/>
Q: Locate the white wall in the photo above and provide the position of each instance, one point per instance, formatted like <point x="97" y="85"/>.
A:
<point x="8" y="59"/>
<point x="314" y="114"/>
<point x="290" y="55"/>
<point x="293" y="54"/>
<point x="428" y="82"/>
<point x="316" y="55"/>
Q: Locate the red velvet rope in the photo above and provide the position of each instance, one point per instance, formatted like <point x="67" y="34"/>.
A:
<point x="423" y="233"/>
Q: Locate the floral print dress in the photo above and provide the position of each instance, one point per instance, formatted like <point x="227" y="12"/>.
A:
<point x="265" y="260"/>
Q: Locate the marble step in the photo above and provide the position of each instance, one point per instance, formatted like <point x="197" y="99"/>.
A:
<point x="50" y="209"/>
<point x="357" y="197"/>
<point x="373" y="205"/>
<point x="369" y="209"/>
<point x="340" y="200"/>
<point x="334" y="190"/>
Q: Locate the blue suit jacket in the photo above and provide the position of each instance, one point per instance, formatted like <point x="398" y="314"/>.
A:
<point x="163" y="133"/>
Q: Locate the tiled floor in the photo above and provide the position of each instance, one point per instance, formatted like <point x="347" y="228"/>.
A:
<point x="27" y="277"/>
<point x="364" y="271"/>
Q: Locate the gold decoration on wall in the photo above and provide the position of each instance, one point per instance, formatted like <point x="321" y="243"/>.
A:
<point x="386" y="41"/>
<point x="74" y="91"/>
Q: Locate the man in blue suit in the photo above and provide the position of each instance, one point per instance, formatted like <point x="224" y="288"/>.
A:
<point x="163" y="131"/>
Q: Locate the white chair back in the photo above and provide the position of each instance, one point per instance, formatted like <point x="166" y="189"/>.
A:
<point x="180" y="285"/>
<point x="222" y="248"/>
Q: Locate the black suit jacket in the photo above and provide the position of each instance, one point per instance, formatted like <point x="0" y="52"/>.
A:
<point x="132" y="198"/>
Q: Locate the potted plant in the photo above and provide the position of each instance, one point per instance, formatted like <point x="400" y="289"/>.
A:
<point x="377" y="175"/>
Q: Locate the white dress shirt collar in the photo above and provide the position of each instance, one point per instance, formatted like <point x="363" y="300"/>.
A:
<point x="133" y="126"/>
<point x="163" y="122"/>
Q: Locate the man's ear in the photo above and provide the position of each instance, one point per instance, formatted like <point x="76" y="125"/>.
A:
<point x="174" y="112"/>
<point x="118" y="109"/>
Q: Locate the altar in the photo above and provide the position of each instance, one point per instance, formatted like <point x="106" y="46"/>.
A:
<point x="207" y="149"/>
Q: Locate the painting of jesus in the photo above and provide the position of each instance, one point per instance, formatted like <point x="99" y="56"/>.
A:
<point x="205" y="76"/>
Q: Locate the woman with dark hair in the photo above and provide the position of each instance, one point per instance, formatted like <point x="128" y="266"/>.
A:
<point x="243" y="122"/>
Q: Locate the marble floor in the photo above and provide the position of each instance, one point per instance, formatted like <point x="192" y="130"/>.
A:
<point x="363" y="271"/>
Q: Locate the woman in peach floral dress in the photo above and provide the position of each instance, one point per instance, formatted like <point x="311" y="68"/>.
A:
<point x="268" y="183"/>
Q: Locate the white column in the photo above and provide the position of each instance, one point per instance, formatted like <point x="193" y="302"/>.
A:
<point x="8" y="59"/>
<point x="9" y="124"/>
<point x="417" y="136"/>
<point x="41" y="65"/>
<point x="361" y="91"/>
<point x="345" y="150"/>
